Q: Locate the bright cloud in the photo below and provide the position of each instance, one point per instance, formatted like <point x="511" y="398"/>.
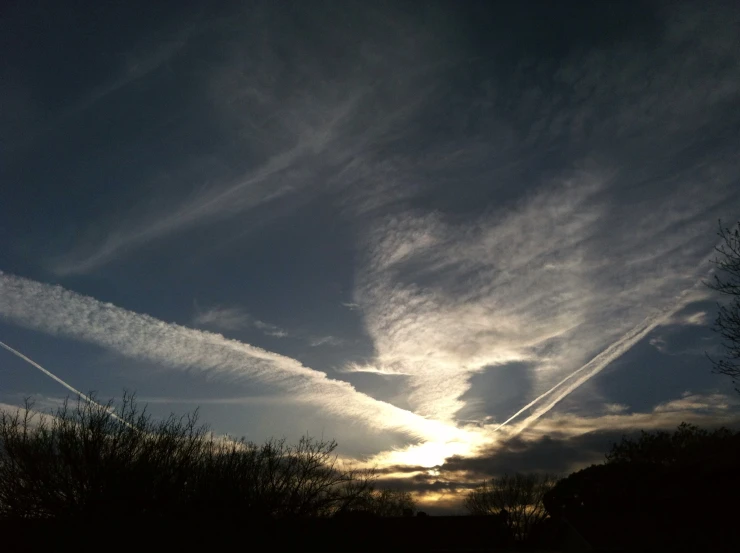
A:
<point x="57" y="311"/>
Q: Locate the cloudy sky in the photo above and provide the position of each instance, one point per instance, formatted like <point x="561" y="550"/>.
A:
<point x="462" y="238"/>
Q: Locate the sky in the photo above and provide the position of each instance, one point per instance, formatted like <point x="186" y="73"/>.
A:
<point x="460" y="238"/>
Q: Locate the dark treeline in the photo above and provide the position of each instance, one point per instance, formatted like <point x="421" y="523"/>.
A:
<point x="659" y="491"/>
<point x="88" y="468"/>
<point x="89" y="460"/>
<point x="88" y="473"/>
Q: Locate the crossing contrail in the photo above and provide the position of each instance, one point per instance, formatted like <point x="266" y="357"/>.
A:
<point x="598" y="363"/>
<point x="61" y="312"/>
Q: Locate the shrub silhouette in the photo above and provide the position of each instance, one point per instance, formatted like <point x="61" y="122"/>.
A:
<point x="658" y="489"/>
<point x="516" y="500"/>
<point x="91" y="461"/>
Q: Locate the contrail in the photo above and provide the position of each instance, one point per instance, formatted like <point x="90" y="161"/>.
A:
<point x="61" y="312"/>
<point x="598" y="363"/>
<point x="47" y="373"/>
<point x="62" y="382"/>
<point x="538" y="398"/>
<point x="602" y="360"/>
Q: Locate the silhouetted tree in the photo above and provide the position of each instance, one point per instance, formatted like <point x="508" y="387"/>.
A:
<point x="391" y="503"/>
<point x="517" y="500"/>
<point x="91" y="460"/>
<point x="727" y="281"/>
<point x="609" y="487"/>
<point x="655" y="484"/>
<point x="379" y="503"/>
<point x="647" y="469"/>
<point x="687" y="446"/>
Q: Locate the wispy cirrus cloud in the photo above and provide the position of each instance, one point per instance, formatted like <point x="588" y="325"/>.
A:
<point x="270" y="329"/>
<point x="295" y="135"/>
<point x="226" y="318"/>
<point x="233" y="318"/>
<point x="444" y="301"/>
<point x="325" y="341"/>
<point x="572" y="270"/>
<point x="371" y="369"/>
<point x="143" y="59"/>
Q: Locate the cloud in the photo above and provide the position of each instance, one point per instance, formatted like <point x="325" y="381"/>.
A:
<point x="659" y="343"/>
<point x="236" y="400"/>
<point x="686" y="318"/>
<point x="233" y="318"/>
<point x="556" y="394"/>
<point x="284" y="171"/>
<point x="697" y="403"/>
<point x="325" y="341"/>
<point x="60" y="312"/>
<point x="560" y="444"/>
<point x="142" y="60"/>
<point x="41" y="403"/>
<point x="361" y="368"/>
<point x="36" y="413"/>
<point x="302" y="130"/>
<point x="568" y="271"/>
<point x="698" y="318"/>
<point x="443" y="301"/>
<point x="226" y="318"/>
<point x="547" y="214"/>
<point x="615" y="408"/>
<point x="567" y="442"/>
<point x="225" y="201"/>
<point x="270" y="329"/>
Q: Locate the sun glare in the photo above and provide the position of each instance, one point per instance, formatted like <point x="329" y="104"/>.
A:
<point x="429" y="454"/>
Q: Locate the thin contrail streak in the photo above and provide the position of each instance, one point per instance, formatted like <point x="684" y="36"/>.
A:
<point x="598" y="363"/>
<point x="588" y="365"/>
<point x="47" y="373"/>
<point x="60" y="381"/>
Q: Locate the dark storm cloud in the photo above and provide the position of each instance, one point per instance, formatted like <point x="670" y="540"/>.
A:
<point x="552" y="453"/>
<point x="562" y="444"/>
<point x="424" y="484"/>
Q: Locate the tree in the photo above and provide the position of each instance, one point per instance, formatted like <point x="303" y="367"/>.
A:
<point x="654" y="470"/>
<point x="391" y="503"/>
<point x="518" y="499"/>
<point x="727" y="282"/>
<point x="92" y="461"/>
<point x="656" y="491"/>
<point x="687" y="446"/>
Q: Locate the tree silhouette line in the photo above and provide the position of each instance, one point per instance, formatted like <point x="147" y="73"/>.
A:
<point x="659" y="491"/>
<point x="93" y="463"/>
<point x="91" y="460"/>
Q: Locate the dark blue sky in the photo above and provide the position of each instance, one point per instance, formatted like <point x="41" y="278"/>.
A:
<point x="393" y="223"/>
